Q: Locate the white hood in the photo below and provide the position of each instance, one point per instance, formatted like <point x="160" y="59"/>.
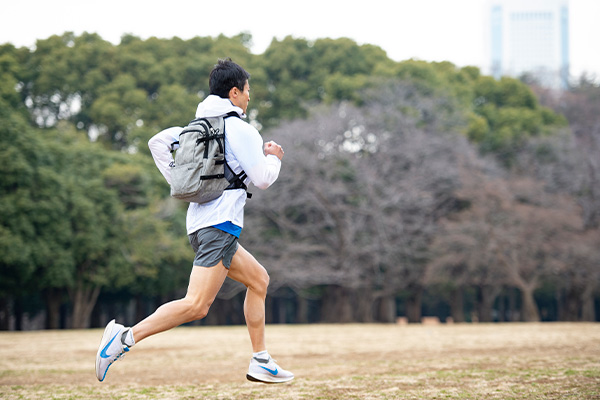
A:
<point x="214" y="106"/>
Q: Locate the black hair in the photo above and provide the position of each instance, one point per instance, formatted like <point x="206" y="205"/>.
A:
<point x="225" y="76"/>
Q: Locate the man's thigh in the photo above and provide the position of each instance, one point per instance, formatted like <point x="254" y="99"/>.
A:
<point x="245" y="269"/>
<point x="205" y="283"/>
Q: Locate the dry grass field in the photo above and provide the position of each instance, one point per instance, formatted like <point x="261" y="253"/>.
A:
<point x="460" y="361"/>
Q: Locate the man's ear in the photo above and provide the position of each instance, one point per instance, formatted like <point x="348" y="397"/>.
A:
<point x="234" y="92"/>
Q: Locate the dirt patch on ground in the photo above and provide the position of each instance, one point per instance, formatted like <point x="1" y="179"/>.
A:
<point x="552" y="360"/>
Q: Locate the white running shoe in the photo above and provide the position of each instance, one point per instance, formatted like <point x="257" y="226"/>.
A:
<point x="111" y="349"/>
<point x="267" y="371"/>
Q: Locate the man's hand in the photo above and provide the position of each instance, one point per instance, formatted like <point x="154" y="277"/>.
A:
<point x="273" y="148"/>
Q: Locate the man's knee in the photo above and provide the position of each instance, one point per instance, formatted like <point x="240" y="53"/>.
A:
<point x="261" y="283"/>
<point x="199" y="310"/>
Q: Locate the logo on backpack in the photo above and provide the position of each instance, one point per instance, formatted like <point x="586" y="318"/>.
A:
<point x="201" y="173"/>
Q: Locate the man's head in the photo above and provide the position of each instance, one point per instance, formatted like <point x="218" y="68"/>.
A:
<point x="230" y="81"/>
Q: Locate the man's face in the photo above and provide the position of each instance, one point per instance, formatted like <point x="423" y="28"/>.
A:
<point x="241" y="98"/>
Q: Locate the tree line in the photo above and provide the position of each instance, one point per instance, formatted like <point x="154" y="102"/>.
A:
<point x="408" y="188"/>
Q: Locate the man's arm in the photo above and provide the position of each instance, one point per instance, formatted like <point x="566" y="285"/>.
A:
<point x="260" y="162"/>
<point x="160" y="147"/>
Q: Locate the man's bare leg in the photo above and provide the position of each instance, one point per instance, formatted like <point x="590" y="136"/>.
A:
<point x="245" y="269"/>
<point x="202" y="289"/>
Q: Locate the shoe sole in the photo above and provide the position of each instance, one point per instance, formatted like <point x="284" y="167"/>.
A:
<point x="105" y="339"/>
<point x="264" y="378"/>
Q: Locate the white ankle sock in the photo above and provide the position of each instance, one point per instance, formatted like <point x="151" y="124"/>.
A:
<point x="127" y="338"/>
<point x="263" y="355"/>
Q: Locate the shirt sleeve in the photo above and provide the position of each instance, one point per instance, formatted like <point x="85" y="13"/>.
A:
<point x="160" y="146"/>
<point x="264" y="174"/>
<point x="247" y="146"/>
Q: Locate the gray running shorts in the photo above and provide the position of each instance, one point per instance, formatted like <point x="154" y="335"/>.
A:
<point x="212" y="245"/>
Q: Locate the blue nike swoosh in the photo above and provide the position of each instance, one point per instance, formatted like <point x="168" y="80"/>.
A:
<point x="274" y="372"/>
<point x="103" y="352"/>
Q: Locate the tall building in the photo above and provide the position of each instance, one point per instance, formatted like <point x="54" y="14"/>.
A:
<point x="530" y="36"/>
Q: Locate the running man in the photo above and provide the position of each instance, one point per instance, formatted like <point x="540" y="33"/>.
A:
<point x="213" y="229"/>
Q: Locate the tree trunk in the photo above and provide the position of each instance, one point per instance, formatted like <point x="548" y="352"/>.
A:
<point x="588" y="310"/>
<point x="529" y="309"/>
<point x="213" y="316"/>
<point x="4" y="313"/>
<point x="18" y="307"/>
<point x="140" y="313"/>
<point x="364" y="305"/>
<point x="571" y="309"/>
<point x="513" y="313"/>
<point x="301" y="310"/>
<point x="486" y="295"/>
<point x="281" y="310"/>
<point x="387" y="309"/>
<point x="83" y="299"/>
<point x="457" y="305"/>
<point x="414" y="304"/>
<point x="53" y="301"/>
<point x="502" y="308"/>
<point x="269" y="309"/>
<point x="560" y="304"/>
<point x="336" y="305"/>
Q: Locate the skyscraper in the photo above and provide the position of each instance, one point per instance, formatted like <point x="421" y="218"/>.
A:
<point x="530" y="36"/>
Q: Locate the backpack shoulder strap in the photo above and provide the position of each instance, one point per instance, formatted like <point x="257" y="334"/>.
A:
<point x="231" y="114"/>
<point x="237" y="180"/>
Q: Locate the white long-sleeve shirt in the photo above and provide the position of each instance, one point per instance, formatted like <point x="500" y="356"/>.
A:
<point x="243" y="151"/>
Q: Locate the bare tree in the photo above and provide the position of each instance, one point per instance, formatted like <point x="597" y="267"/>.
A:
<point x="306" y="228"/>
<point x="357" y="203"/>
<point x="418" y="189"/>
<point x="567" y="164"/>
<point x="578" y="275"/>
<point x="467" y="246"/>
<point x="533" y="227"/>
<point x="581" y="148"/>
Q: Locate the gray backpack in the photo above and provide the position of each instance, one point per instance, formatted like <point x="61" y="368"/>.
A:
<point x="200" y="173"/>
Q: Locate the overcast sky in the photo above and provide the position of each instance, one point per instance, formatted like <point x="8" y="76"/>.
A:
<point x="431" y="30"/>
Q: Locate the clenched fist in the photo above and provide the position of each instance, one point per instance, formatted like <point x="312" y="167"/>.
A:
<point x="273" y="148"/>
